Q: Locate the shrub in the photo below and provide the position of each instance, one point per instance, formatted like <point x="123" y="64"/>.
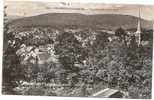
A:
<point x="34" y="91"/>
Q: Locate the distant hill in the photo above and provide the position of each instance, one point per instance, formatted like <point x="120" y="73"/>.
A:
<point x="109" y="21"/>
<point x="11" y="18"/>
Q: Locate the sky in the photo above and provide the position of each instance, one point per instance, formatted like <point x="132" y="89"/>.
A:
<point x="31" y="8"/>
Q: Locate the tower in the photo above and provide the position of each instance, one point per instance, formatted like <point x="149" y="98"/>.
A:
<point x="138" y="32"/>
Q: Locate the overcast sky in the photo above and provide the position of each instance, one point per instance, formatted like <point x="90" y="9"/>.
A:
<point x="31" y="8"/>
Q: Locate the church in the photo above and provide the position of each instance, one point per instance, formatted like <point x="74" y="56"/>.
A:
<point x="138" y="33"/>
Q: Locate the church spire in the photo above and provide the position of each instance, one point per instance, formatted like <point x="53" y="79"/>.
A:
<point x="138" y="32"/>
<point x="139" y="23"/>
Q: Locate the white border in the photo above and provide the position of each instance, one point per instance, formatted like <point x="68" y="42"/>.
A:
<point x="98" y="1"/>
<point x="1" y="41"/>
<point x="4" y="97"/>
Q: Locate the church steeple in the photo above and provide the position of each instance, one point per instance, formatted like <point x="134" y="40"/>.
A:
<point x="138" y="32"/>
<point x="139" y="24"/>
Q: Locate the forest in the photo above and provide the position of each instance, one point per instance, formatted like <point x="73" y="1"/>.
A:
<point x="75" y="62"/>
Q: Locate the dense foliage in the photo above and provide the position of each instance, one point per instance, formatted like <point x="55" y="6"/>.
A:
<point x="76" y="63"/>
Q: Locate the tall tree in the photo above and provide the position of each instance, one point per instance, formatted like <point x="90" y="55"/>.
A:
<point x="12" y="72"/>
<point x="69" y="50"/>
<point x="121" y="33"/>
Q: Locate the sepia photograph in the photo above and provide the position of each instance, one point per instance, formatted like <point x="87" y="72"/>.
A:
<point x="75" y="49"/>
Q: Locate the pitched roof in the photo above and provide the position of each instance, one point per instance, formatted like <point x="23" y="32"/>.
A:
<point x="106" y="93"/>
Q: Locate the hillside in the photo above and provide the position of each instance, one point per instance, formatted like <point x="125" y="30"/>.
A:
<point x="109" y="21"/>
<point x="11" y="18"/>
